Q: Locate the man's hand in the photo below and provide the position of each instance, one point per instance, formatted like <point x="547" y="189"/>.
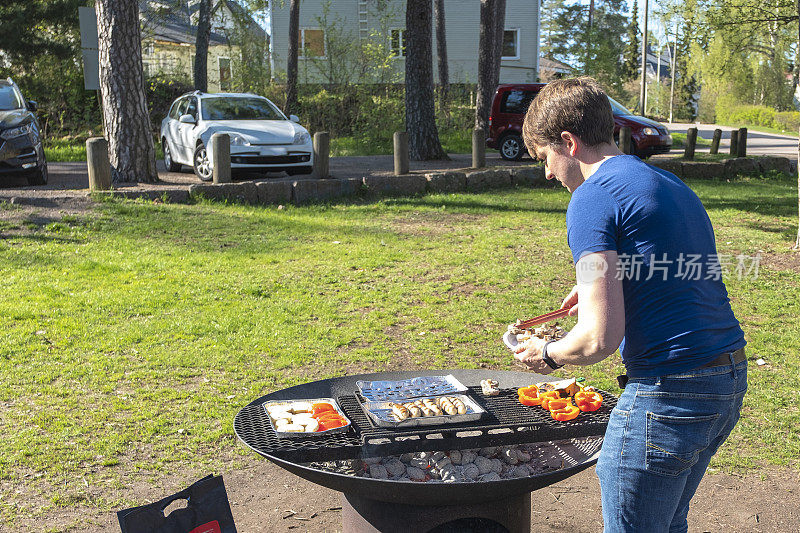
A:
<point x="571" y="301"/>
<point x="530" y="355"/>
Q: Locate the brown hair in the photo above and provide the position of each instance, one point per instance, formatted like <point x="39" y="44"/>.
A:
<point x="576" y="105"/>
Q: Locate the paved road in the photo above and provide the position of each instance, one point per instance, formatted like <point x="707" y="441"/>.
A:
<point x="758" y="143"/>
<point x="71" y="179"/>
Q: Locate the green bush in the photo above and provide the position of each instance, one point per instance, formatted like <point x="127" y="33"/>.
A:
<point x="787" y="120"/>
<point x="756" y="115"/>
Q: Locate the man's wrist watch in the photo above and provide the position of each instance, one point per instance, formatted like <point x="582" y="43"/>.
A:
<point x="547" y="359"/>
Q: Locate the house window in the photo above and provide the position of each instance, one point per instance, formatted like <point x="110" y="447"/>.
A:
<point x="146" y="69"/>
<point x="312" y="42"/>
<point x="224" y="74"/>
<point x="149" y="49"/>
<point x="511" y="44"/>
<point x="398" y="43"/>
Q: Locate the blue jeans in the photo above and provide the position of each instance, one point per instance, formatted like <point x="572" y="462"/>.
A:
<point x="660" y="439"/>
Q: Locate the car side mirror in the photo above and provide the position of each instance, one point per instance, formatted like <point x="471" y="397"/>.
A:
<point x="187" y="119"/>
<point x="32" y="106"/>
<point x="294" y="118"/>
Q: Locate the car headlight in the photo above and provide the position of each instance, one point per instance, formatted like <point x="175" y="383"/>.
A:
<point x="238" y="140"/>
<point x="301" y="137"/>
<point x="650" y="131"/>
<point x="19" y="131"/>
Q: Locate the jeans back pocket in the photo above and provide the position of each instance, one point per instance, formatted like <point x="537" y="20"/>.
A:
<point x="674" y="442"/>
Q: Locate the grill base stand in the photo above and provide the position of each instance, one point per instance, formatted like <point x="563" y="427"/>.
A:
<point x="364" y="515"/>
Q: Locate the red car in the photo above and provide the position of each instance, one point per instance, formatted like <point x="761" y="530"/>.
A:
<point x="511" y="102"/>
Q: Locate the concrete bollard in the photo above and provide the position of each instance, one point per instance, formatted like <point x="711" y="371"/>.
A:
<point x="691" y="143"/>
<point x="625" y="140"/>
<point x="99" y="165"/>
<point x="400" y="153"/>
<point x="221" y="148"/>
<point x="715" y="141"/>
<point x="322" y="154"/>
<point x="734" y="142"/>
<point x="742" y="149"/>
<point x="478" y="148"/>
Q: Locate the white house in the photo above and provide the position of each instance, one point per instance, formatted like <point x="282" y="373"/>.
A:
<point x="361" y="20"/>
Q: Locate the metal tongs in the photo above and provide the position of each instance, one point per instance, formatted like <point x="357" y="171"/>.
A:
<point x="541" y="319"/>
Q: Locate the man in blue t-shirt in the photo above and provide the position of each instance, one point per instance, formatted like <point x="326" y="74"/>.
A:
<point x="649" y="281"/>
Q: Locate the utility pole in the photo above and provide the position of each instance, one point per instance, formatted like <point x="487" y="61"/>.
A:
<point x="672" y="85"/>
<point x="643" y="93"/>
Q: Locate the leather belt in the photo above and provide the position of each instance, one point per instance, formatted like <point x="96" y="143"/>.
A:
<point x="725" y="359"/>
<point x="721" y="360"/>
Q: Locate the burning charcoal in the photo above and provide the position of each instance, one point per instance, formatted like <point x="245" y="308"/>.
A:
<point x="415" y="474"/>
<point x="395" y="467"/>
<point x="519" y="471"/>
<point x="491" y="476"/>
<point x="371" y="460"/>
<point x="509" y="456"/>
<point x="491" y="451"/>
<point x="451" y="473"/>
<point x="421" y="460"/>
<point x="497" y="465"/>
<point x="438" y="456"/>
<point x="378" y="472"/>
<point x="455" y="457"/>
<point x="523" y="456"/>
<point x="406" y="457"/>
<point x="471" y="472"/>
<point x="468" y="456"/>
<point x="484" y="464"/>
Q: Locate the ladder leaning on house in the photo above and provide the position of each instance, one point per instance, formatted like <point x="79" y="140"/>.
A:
<point x="363" y="28"/>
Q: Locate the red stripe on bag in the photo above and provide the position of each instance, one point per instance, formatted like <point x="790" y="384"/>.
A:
<point x="210" y="527"/>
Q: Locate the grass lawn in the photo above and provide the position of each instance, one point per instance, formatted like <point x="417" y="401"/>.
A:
<point x="133" y="335"/>
<point x="69" y="149"/>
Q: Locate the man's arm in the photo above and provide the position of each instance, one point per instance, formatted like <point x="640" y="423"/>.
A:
<point x="601" y="319"/>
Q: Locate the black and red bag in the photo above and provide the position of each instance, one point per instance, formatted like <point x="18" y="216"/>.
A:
<point x="206" y="511"/>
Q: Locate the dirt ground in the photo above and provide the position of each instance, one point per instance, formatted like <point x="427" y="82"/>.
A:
<point x="266" y="499"/>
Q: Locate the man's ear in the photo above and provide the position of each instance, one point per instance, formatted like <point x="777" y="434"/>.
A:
<point x="571" y="142"/>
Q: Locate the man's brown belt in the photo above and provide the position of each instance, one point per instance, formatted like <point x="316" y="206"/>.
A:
<point x="722" y="360"/>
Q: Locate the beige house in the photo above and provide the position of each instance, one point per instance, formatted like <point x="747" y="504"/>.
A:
<point x="168" y="37"/>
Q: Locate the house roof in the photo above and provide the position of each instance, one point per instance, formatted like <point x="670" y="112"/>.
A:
<point x="550" y="64"/>
<point x="171" y="21"/>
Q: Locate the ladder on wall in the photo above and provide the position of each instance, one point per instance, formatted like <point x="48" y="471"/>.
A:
<point x="363" y="27"/>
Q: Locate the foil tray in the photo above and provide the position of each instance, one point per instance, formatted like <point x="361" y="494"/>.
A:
<point x="294" y="435"/>
<point x="381" y="414"/>
<point x="406" y="389"/>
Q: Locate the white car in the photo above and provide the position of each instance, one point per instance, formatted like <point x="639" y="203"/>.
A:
<point x="262" y="138"/>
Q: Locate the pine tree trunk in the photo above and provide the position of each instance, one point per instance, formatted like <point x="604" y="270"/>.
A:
<point x="797" y="241"/>
<point x="441" y="50"/>
<point x="201" y="46"/>
<point x="486" y="53"/>
<point x="423" y="137"/>
<point x="130" y="141"/>
<point x="291" y="67"/>
<point x="499" y="30"/>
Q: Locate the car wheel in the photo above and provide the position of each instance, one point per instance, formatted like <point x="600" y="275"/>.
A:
<point x="299" y="170"/>
<point x="202" y="165"/>
<point x="171" y="165"/>
<point x="511" y="147"/>
<point x="39" y="177"/>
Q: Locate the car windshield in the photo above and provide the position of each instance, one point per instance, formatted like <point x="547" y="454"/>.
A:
<point x="617" y="108"/>
<point x="9" y="99"/>
<point x="240" y="109"/>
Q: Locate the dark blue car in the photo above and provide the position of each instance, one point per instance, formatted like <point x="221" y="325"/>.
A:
<point x="21" y="151"/>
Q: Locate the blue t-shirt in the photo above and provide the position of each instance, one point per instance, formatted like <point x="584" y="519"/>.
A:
<point x="680" y="318"/>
